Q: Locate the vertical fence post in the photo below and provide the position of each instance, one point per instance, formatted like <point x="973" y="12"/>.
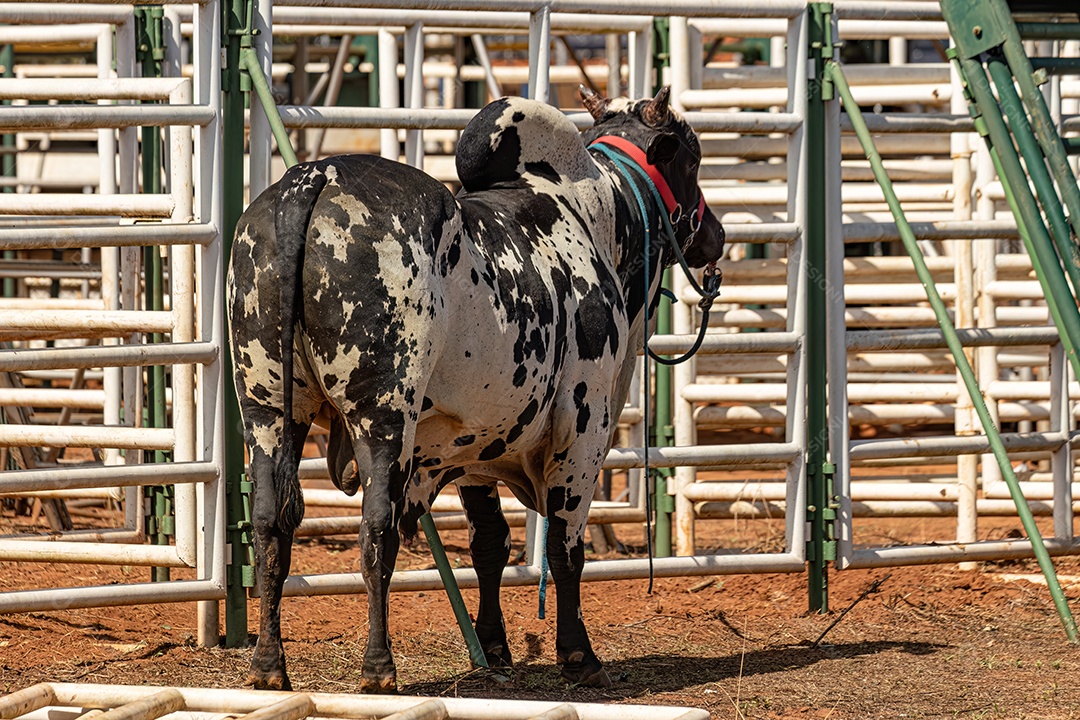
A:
<point x="236" y="16"/>
<point x="819" y="473"/>
<point x="663" y="430"/>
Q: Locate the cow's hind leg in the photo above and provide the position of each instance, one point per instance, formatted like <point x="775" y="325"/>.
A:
<point x="489" y="543"/>
<point x="273" y="554"/>
<point x="566" y="559"/>
<point x="383" y="480"/>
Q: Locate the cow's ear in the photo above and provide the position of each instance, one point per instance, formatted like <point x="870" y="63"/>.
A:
<point x="662" y="148"/>
<point x="594" y="102"/>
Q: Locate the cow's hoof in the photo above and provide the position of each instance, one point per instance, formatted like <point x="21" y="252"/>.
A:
<point x="384" y="685"/>
<point x="582" y="672"/>
<point x="498" y="656"/>
<point x="268" y="680"/>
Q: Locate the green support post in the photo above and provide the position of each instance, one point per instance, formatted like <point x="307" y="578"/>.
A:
<point x="446" y="573"/>
<point x="986" y="25"/>
<point x="820" y="548"/>
<point x="963" y="366"/>
<point x="236" y="26"/>
<point x="1036" y="167"/>
<point x="663" y="432"/>
<point x="1059" y="300"/>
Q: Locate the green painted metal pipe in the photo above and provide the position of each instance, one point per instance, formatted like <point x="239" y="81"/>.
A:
<point x="1045" y="129"/>
<point x="962" y="364"/>
<point x="1036" y="167"/>
<point x="1059" y="300"/>
<point x="1056" y="66"/>
<point x="250" y="62"/>
<point x="234" y="21"/>
<point x="817" y="341"/>
<point x="446" y="573"/>
<point x="1048" y="31"/>
<point x="664" y="432"/>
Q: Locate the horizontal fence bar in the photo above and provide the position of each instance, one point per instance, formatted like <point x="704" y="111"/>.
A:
<point x="702" y="456"/>
<point x="17" y="601"/>
<point x="516" y="576"/>
<point x="717" y="344"/>
<point x="752" y="416"/>
<point x="69" y="478"/>
<point x="87" y="322"/>
<point x="955" y="552"/>
<point x="909" y="10"/>
<point x="454" y="19"/>
<point x="143" y="234"/>
<point x="920" y="339"/>
<point x="89" y="436"/>
<point x="18" y="360"/>
<point x="160" y="206"/>
<point x="910" y="28"/>
<point x="687" y="8"/>
<point x="443" y="119"/>
<point x="942" y="230"/>
<point x="911" y="122"/>
<point x="50" y="551"/>
<point x="53" y="397"/>
<point x="87" y="117"/>
<point x="149" y="88"/>
<point x="749" y="509"/>
<point x="52" y="33"/>
<point x="1048" y="31"/>
<point x="953" y="445"/>
<point x="762" y="233"/>
<point x="53" y="13"/>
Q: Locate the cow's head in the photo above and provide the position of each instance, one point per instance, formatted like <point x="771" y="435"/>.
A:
<point x="669" y="143"/>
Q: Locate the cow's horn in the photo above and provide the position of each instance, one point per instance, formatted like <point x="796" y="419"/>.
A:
<point x="656" y="112"/>
<point x="594" y="102"/>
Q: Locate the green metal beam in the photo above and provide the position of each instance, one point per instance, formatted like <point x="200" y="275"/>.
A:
<point x="1036" y="167"/>
<point x="250" y="61"/>
<point x="236" y="26"/>
<point x="476" y="653"/>
<point x="819" y="549"/>
<point x="1046" y="131"/>
<point x="963" y="366"/>
<point x="988" y="120"/>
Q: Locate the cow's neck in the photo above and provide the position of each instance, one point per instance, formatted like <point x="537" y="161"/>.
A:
<point x="628" y="251"/>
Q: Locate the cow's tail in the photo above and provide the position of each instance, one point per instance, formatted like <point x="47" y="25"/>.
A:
<point x="297" y="194"/>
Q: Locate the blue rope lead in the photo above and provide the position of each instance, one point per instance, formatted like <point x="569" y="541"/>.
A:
<point x="622" y="166"/>
<point x="543" y="570"/>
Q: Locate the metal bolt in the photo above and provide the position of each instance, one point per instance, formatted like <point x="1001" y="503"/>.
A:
<point x="977" y="31"/>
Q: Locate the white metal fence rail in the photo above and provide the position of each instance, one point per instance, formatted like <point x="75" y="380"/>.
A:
<point x="184" y="221"/>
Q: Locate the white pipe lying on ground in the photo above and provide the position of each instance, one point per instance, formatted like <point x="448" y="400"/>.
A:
<point x="329" y="705"/>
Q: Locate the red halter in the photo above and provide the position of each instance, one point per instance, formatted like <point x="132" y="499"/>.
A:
<point x="638" y="156"/>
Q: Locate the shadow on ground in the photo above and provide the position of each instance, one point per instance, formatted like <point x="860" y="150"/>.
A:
<point x="650" y="674"/>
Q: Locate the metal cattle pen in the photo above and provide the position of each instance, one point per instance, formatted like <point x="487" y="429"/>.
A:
<point x="809" y="342"/>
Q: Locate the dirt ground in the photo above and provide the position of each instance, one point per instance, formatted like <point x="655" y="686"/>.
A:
<point x="929" y="642"/>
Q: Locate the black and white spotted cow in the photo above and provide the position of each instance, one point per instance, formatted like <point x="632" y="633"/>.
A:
<point x="483" y="338"/>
